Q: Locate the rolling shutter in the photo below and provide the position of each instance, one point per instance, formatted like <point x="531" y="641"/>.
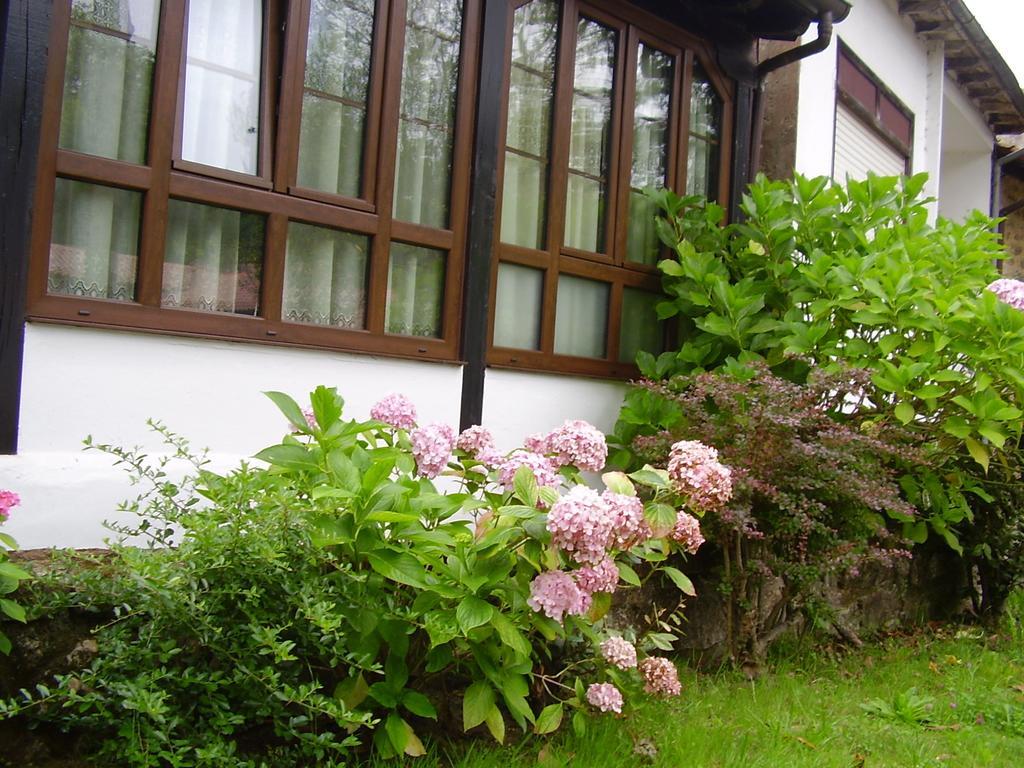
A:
<point x="859" y="149"/>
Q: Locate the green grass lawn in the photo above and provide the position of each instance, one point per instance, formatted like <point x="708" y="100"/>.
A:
<point x="950" y="698"/>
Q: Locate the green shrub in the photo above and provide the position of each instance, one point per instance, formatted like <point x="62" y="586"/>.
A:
<point x="10" y="574"/>
<point x="281" y="614"/>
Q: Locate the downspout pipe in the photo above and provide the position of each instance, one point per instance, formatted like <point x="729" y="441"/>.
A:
<point x="766" y="67"/>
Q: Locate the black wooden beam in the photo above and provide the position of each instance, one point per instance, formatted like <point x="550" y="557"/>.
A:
<point x="23" y="37"/>
<point x="476" y="287"/>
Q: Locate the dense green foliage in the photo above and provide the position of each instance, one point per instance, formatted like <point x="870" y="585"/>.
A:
<point x="824" y="277"/>
<point x="284" y="613"/>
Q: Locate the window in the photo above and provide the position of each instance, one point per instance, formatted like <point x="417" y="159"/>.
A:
<point x="874" y="130"/>
<point x="258" y="169"/>
<point x="601" y="106"/>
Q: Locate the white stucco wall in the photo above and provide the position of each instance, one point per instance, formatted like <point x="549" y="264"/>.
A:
<point x="886" y="43"/>
<point x="82" y="381"/>
<point x="966" y="157"/>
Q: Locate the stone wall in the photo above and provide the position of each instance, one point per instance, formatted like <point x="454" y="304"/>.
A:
<point x="1013" y="227"/>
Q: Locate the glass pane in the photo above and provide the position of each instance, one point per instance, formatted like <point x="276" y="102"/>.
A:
<point x="519" y="300"/>
<point x="213" y="259"/>
<point x="534" y="32"/>
<point x="589" y="136"/>
<point x="702" y="161"/>
<point x="95" y="241"/>
<point x="222" y="84"/>
<point x="108" y="78"/>
<point x="654" y="74"/>
<point x="430" y="76"/>
<point x="641" y="329"/>
<point x="581" y="317"/>
<point x="334" y="103"/>
<point x="415" y="291"/>
<point x="325" y="277"/>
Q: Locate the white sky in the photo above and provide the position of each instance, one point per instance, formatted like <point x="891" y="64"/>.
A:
<point x="1003" y="22"/>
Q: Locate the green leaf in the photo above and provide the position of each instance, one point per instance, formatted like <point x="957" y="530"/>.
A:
<point x="472" y="612"/>
<point x="978" y="452"/>
<point x="916" y="532"/>
<point x="441" y="626"/>
<point x="661" y="518"/>
<point x="510" y="634"/>
<point x="13" y="610"/>
<point x="549" y="719"/>
<point x="418" y="704"/>
<point x="290" y="409"/>
<point x="327" y="405"/>
<point x="398" y="732"/>
<point x="599" y="606"/>
<point x="618" y="482"/>
<point x="681" y="580"/>
<point x="993" y="434"/>
<point x="905" y="412"/>
<point x="579" y="723"/>
<point x="288" y="457"/>
<point x="11" y="571"/>
<point x="525" y="485"/>
<point x="352" y="691"/>
<point x="476" y="705"/>
<point x="8" y="540"/>
<point x="344" y="470"/>
<point x="651" y="477"/>
<point x="496" y="724"/>
<point x="398" y="566"/>
<point x="627" y="574"/>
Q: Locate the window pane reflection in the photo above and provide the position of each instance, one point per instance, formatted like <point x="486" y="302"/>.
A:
<point x="589" y="143"/>
<point x="654" y="78"/>
<point x="581" y="317"/>
<point x="213" y="259"/>
<point x="325" y="277"/>
<point x="641" y="329"/>
<point x="108" y="78"/>
<point x="95" y="241"/>
<point x="222" y="84"/>
<point x="415" y="291"/>
<point x="430" y="77"/>
<point x="524" y="197"/>
<point x="519" y="298"/>
<point x="702" y="159"/>
<point x="334" y="102"/>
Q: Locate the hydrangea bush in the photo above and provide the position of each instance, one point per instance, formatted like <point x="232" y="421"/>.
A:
<point x="341" y="590"/>
<point x="10" y="574"/>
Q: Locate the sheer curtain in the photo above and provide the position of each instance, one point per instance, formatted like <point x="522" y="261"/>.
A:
<point x="581" y="317"/>
<point x="337" y="81"/>
<point x="524" y="196"/>
<point x="325" y="277"/>
<point x="415" y="291"/>
<point x="518" y="310"/>
<point x="95" y="240"/>
<point x="108" y="78"/>
<point x="222" y="84"/>
<point x="430" y="74"/>
<point x="212" y="259"/>
<point x="590" y="135"/>
<point x="654" y="77"/>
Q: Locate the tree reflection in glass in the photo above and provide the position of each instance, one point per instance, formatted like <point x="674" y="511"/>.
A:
<point x="705" y="129"/>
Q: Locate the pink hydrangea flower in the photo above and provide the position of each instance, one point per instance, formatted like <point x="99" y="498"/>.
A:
<point x="660" y="676"/>
<point x="696" y="473"/>
<point x="619" y="653"/>
<point x="603" y="577"/>
<point x="581" y="523"/>
<point x="1008" y="291"/>
<point x="687" y="532"/>
<point x="555" y="594"/>
<point x="545" y="472"/>
<point x="580" y="444"/>
<point x="432" y="448"/>
<point x="536" y="443"/>
<point x="605" y="696"/>
<point x="8" y="500"/>
<point x="395" y="410"/>
<point x="630" y="527"/>
<point x="475" y="440"/>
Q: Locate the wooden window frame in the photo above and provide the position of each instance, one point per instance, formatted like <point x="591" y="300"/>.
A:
<point x="872" y="115"/>
<point x="635" y="26"/>
<point x="273" y="195"/>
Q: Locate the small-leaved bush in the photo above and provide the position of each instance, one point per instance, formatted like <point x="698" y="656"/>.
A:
<point x="825" y="276"/>
<point x="814" y="498"/>
<point x="376" y="576"/>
